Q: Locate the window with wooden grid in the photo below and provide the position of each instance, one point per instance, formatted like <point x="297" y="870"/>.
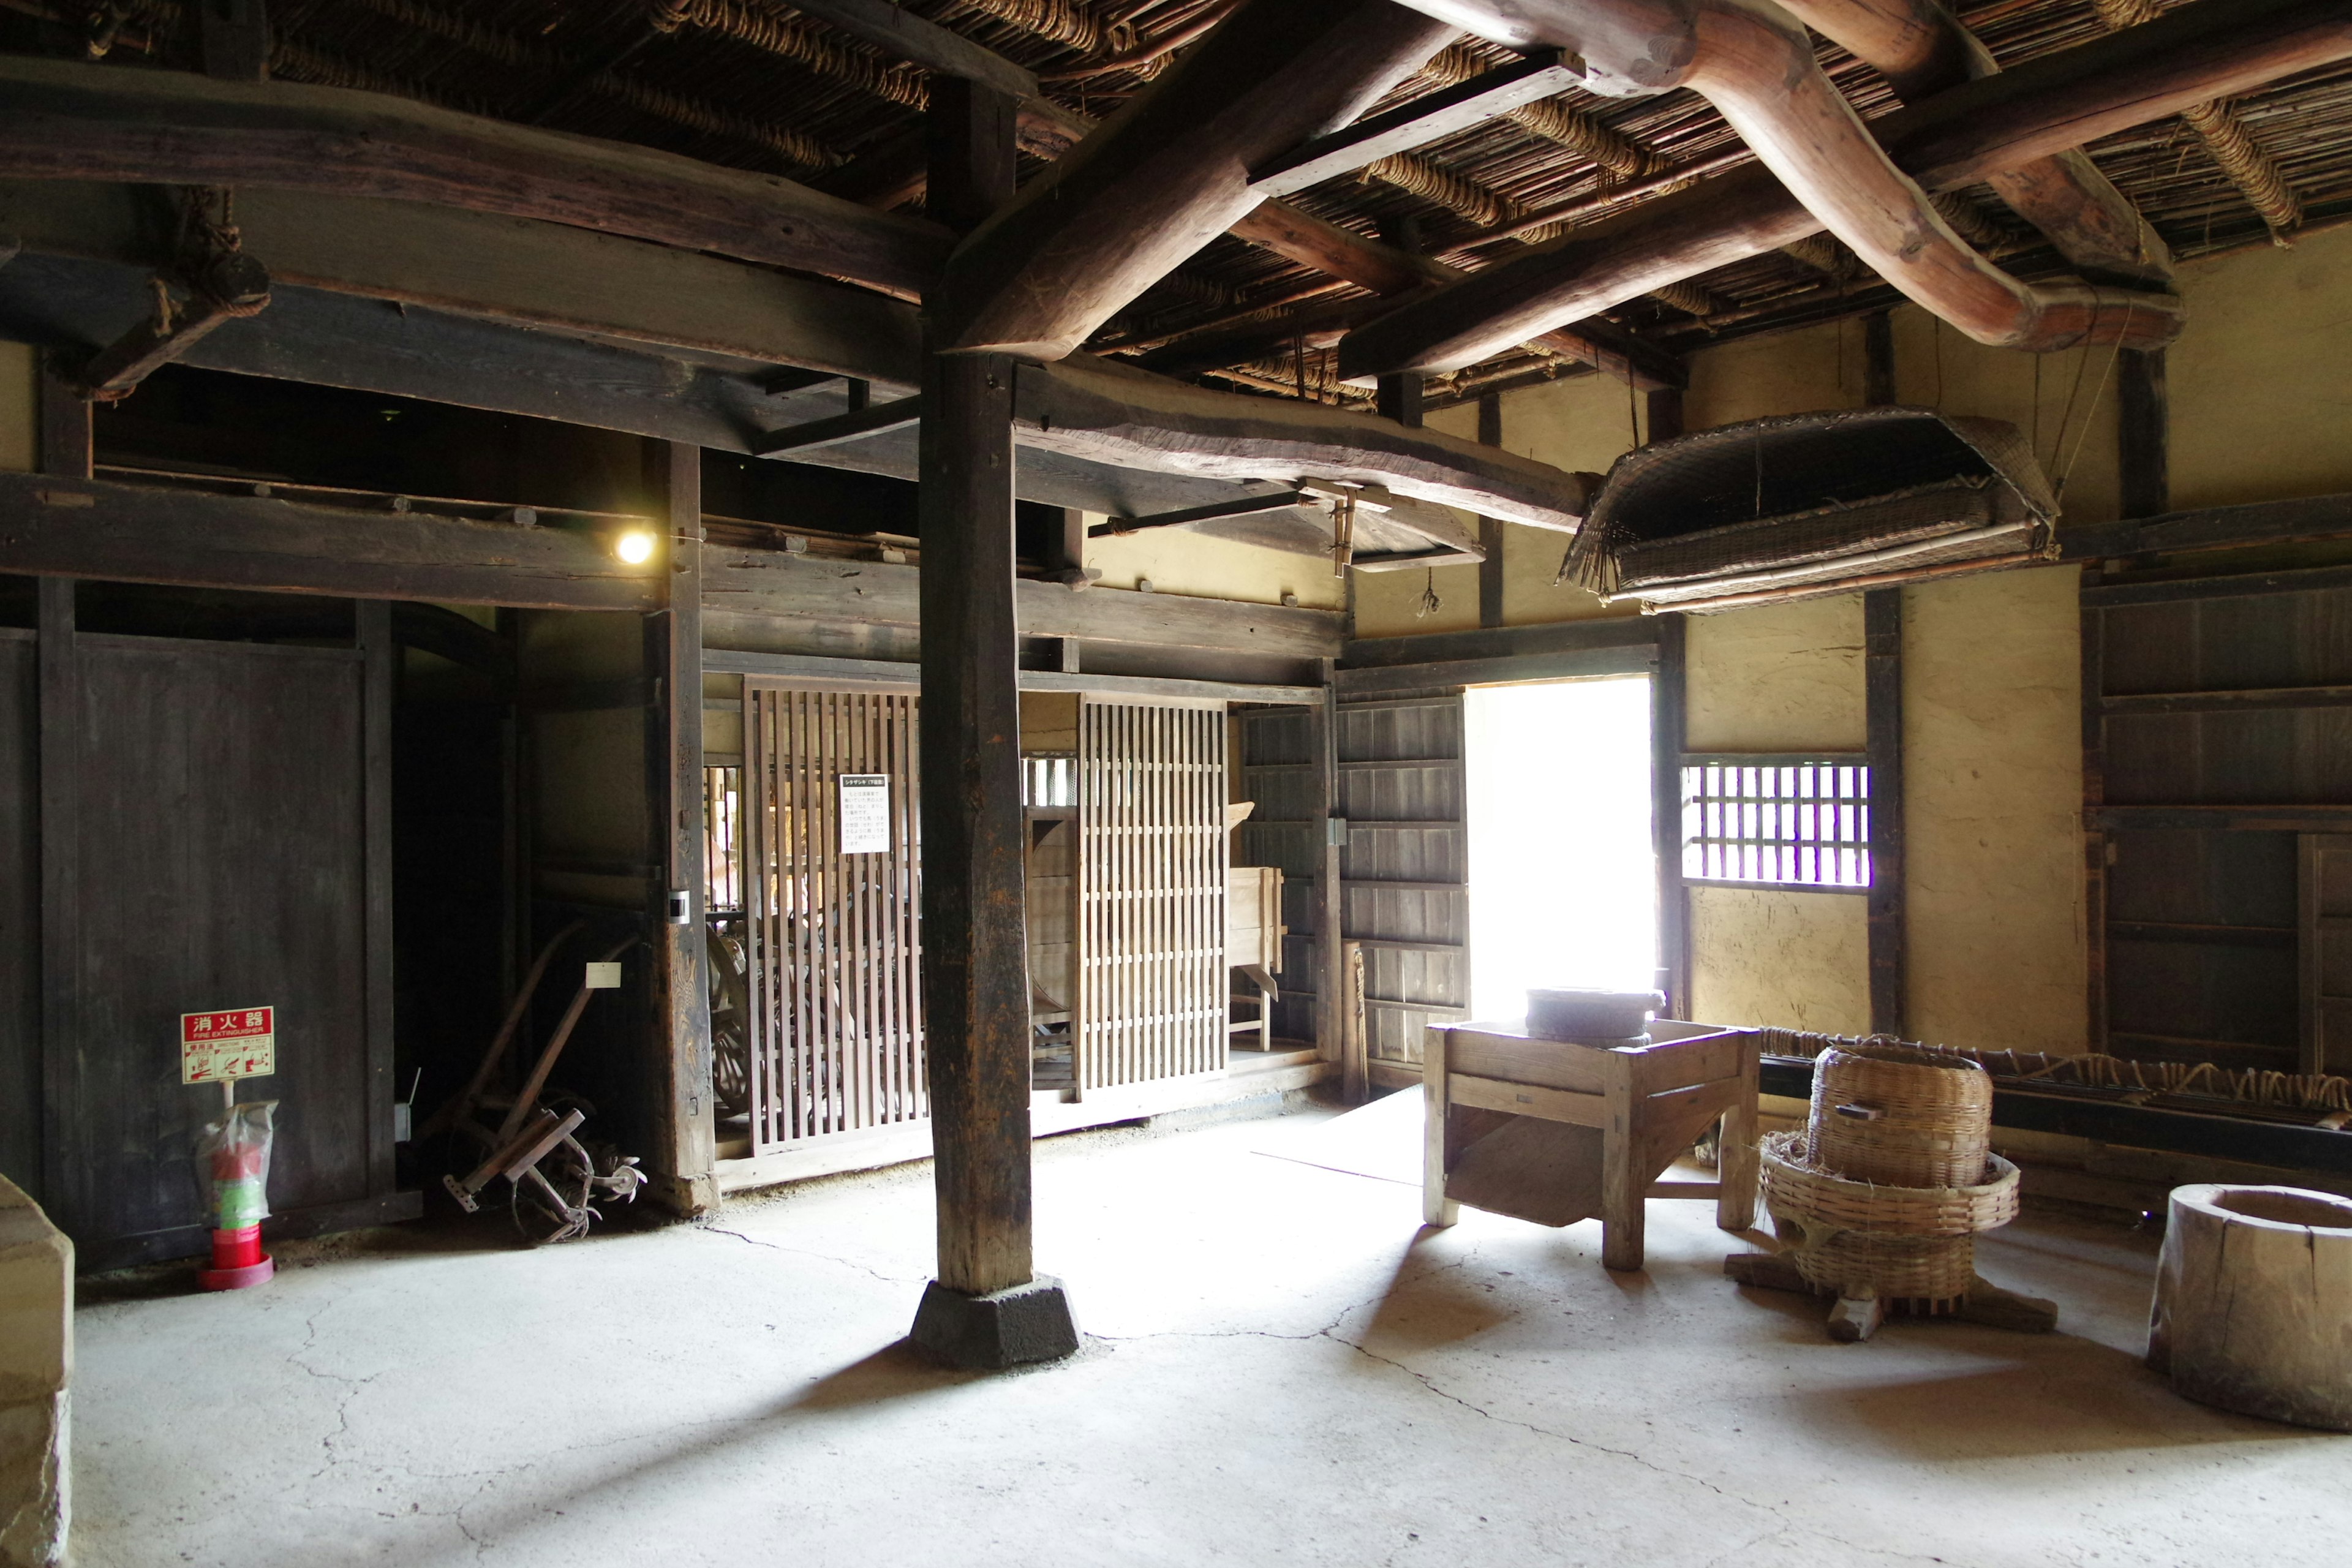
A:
<point x="1776" y="820"/>
<point x="722" y="798"/>
<point x="1049" y="779"/>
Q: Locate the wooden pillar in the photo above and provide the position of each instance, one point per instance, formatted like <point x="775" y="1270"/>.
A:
<point x="2143" y="430"/>
<point x="234" y="37"/>
<point x="64" y="453"/>
<point x="1882" y="616"/>
<point x="684" y="1146"/>
<point x="1667" y="743"/>
<point x="1665" y="413"/>
<point x="379" y="680"/>
<point x="985" y="1309"/>
<point x="1333" y="1036"/>
<point x="1490" y="530"/>
<point x="1668" y="704"/>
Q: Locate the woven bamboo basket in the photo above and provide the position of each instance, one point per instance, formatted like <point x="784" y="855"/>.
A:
<point x="1900" y="1116"/>
<point x="1902" y="1243"/>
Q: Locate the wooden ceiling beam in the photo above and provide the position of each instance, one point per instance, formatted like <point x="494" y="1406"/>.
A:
<point x="2046" y="106"/>
<point x="68" y="121"/>
<point x="1110" y="413"/>
<point x="1922" y="49"/>
<point x="1544" y="74"/>
<point x="1170" y="172"/>
<point x="892" y="27"/>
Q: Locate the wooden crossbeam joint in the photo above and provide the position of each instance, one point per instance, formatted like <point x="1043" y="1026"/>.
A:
<point x="858" y="425"/>
<point x="1545" y="73"/>
<point x="1241" y="506"/>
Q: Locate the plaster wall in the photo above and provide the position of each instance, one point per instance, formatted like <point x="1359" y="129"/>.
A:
<point x="1179" y="561"/>
<point x="2261" y="384"/>
<point x="1991" y="698"/>
<point x="1584" y="424"/>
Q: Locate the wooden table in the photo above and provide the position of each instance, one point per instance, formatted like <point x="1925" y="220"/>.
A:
<point x="1555" y="1132"/>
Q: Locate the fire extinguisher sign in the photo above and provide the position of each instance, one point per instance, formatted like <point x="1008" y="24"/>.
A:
<point x="234" y="1043"/>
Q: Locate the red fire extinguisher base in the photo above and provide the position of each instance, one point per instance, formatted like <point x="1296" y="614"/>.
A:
<point x="238" y="1262"/>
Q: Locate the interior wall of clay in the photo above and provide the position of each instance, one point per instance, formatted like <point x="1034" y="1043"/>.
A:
<point x="1179" y="560"/>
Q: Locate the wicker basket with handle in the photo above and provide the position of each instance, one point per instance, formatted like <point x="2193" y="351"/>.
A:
<point x="1899" y="1243"/>
<point x="1900" y="1116"/>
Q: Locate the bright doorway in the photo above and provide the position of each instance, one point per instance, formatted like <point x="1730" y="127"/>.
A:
<point x="1563" y="874"/>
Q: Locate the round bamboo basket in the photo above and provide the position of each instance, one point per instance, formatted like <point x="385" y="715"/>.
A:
<point x="1902" y="1243"/>
<point x="1900" y="1116"/>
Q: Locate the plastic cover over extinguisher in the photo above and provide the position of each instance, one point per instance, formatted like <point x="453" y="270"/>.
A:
<point x="232" y="1164"/>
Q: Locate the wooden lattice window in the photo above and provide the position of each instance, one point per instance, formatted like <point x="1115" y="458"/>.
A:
<point x="722" y="838"/>
<point x="1776" y="820"/>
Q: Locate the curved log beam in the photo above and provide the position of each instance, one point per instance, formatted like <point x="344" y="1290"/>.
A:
<point x="1921" y="51"/>
<point x="1170" y="172"/>
<point x="1110" y="413"/>
<point x="68" y="121"/>
<point x="1756" y="67"/>
<point x="2215" y="49"/>
<point x="1761" y="75"/>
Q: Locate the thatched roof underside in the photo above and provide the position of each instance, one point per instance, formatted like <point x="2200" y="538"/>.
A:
<point x="754" y="84"/>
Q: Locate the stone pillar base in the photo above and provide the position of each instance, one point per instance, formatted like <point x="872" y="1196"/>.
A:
<point x="1027" y="1323"/>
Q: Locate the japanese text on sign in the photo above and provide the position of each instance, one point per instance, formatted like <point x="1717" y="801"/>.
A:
<point x="238" y="1042"/>
<point x="866" y="814"/>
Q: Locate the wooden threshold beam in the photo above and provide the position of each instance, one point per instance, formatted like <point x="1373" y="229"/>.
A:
<point x="138" y="533"/>
<point x="907" y="675"/>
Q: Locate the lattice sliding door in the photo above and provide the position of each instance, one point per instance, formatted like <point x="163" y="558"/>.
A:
<point x="837" y="1040"/>
<point x="1154" y="994"/>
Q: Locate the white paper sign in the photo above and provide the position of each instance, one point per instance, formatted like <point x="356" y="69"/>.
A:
<point x="866" y="814"/>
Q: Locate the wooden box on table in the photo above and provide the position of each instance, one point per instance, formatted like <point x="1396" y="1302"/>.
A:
<point x="1553" y="1131"/>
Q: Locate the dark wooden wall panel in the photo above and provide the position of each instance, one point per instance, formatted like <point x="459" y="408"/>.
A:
<point x="2180" y="998"/>
<point x="220" y="863"/>
<point x="2203" y="879"/>
<point x="1406" y="866"/>
<point x="20" y="914"/>
<point x="1278" y="768"/>
<point x="2282" y="757"/>
<point x="2260" y="641"/>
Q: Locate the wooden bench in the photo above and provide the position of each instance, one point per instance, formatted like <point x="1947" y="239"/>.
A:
<point x="1555" y="1132"/>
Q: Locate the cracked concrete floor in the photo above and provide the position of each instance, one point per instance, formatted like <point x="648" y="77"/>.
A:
<point x="1279" y="1368"/>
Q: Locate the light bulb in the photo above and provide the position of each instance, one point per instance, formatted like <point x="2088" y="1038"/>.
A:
<point x="636" y="546"/>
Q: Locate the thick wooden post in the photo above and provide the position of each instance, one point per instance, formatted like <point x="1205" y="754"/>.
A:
<point x="1336" y="1040"/>
<point x="1490" y="530"/>
<point x="1668" y="703"/>
<point x="684" y="1148"/>
<point x="66" y="454"/>
<point x="2143" y="430"/>
<point x="1881" y="613"/>
<point x="986" y="1308"/>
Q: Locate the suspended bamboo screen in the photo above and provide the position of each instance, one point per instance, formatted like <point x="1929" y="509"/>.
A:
<point x="837" y="1041"/>
<point x="1152" y="853"/>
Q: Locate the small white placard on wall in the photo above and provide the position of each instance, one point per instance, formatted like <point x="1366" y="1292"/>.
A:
<point x="866" y="814"/>
<point x="603" y="977"/>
